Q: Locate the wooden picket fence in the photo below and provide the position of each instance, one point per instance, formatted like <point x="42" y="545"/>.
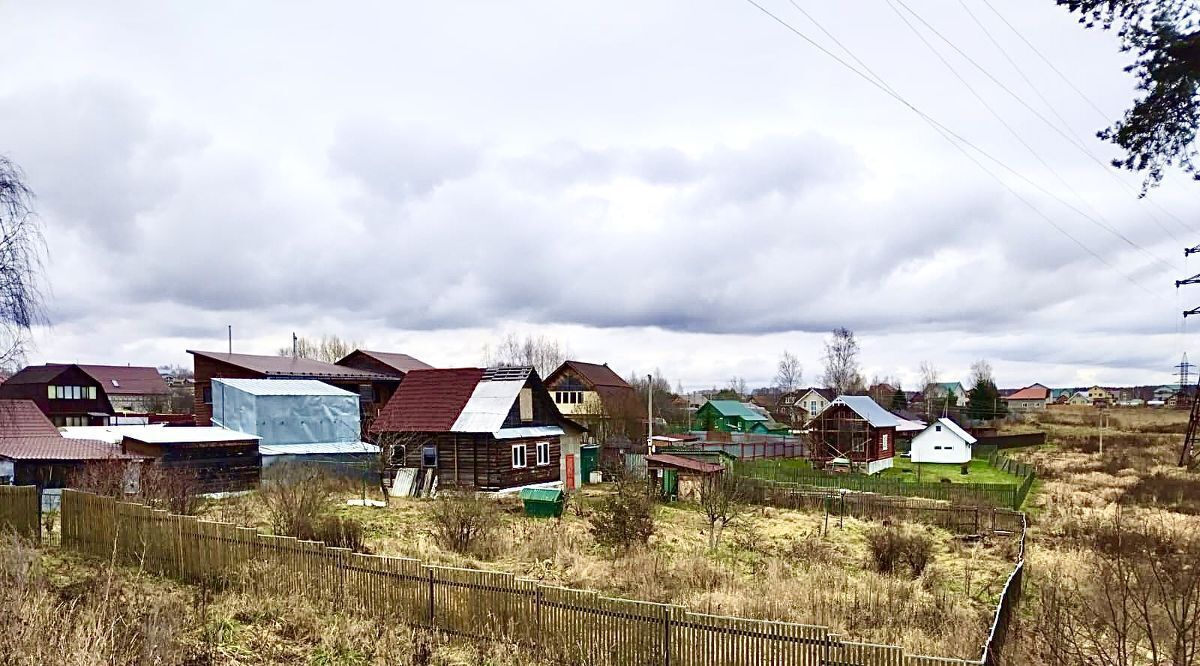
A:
<point x="563" y="624"/>
<point x="20" y="511"/>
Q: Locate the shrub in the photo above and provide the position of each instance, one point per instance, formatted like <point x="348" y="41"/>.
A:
<point x="625" y="518"/>
<point x="341" y="533"/>
<point x="297" y="498"/>
<point x="894" y="549"/>
<point x="462" y="520"/>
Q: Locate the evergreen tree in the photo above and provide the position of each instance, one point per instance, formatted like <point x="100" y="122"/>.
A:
<point x="899" y="400"/>
<point x="985" y="402"/>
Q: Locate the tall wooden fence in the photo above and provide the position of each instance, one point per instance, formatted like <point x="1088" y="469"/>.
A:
<point x="20" y="511"/>
<point x="566" y="625"/>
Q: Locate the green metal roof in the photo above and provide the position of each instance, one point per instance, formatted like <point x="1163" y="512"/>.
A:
<point x="735" y="408"/>
<point x="541" y="494"/>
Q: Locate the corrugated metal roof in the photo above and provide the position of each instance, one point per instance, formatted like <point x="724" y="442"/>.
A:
<point x="684" y="463"/>
<point x="428" y="400"/>
<point x="285" y="387"/>
<point x="59" y="448"/>
<point x="532" y="431"/>
<point x="736" y="408"/>
<point x="327" y="448"/>
<point x="909" y="425"/>
<point x="488" y="406"/>
<point x="22" y="418"/>
<point x="157" y="434"/>
<point x="870" y="410"/>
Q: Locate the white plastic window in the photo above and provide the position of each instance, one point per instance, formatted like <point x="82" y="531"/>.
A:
<point x="518" y="456"/>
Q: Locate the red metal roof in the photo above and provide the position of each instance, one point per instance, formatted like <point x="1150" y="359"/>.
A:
<point x="22" y="418"/>
<point x="60" y="448"/>
<point x="127" y="379"/>
<point x="399" y="362"/>
<point x="288" y="366"/>
<point x="428" y="400"/>
<point x="679" y="462"/>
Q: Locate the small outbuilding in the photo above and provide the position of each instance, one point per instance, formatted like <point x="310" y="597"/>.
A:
<point x="542" y="502"/>
<point x="677" y="476"/>
<point x="942" y="442"/>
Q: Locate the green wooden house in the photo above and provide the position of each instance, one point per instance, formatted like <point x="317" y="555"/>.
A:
<point x="735" y="416"/>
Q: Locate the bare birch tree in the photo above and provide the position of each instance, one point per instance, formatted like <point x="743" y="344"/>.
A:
<point x="841" y="363"/>
<point x="22" y="249"/>
<point x="542" y="353"/>
<point x="789" y="373"/>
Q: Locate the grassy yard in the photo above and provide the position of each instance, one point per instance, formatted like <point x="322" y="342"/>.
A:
<point x="978" y="471"/>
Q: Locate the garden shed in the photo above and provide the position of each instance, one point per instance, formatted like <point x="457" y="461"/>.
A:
<point x="679" y="477"/>
<point x="942" y="442"/>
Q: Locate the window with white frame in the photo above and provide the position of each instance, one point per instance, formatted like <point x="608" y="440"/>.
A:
<point x="543" y="453"/>
<point x="883" y="442"/>
<point x="518" y="456"/>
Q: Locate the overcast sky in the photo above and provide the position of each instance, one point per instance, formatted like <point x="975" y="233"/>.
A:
<point x="681" y="185"/>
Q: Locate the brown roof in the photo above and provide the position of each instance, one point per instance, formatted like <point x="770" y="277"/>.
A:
<point x="287" y="366"/>
<point x="592" y="373"/>
<point x="679" y="462"/>
<point x="22" y="418"/>
<point x="428" y="400"/>
<point x="36" y="374"/>
<point x="127" y="379"/>
<point x="60" y="448"/>
<point x="400" y="362"/>
<point x="1035" y="392"/>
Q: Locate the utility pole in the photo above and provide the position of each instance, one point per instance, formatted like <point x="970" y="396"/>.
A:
<point x="1187" y="454"/>
<point x="650" y="413"/>
<point x="230" y="338"/>
<point x="1103" y="414"/>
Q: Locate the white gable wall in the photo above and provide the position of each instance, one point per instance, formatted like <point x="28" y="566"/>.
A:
<point x="939" y="444"/>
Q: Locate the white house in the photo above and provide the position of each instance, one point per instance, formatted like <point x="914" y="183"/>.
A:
<point x="942" y="442"/>
<point x="814" y="401"/>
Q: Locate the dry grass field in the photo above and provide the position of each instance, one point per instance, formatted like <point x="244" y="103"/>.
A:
<point x="1112" y="541"/>
<point x="770" y="564"/>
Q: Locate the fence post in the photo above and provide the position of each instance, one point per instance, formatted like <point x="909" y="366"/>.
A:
<point x="666" y="637"/>
<point x="431" y="618"/>
<point x="977" y="520"/>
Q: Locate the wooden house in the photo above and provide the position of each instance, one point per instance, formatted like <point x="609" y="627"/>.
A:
<point x="596" y="397"/>
<point x="373" y="388"/>
<point x="855" y="430"/>
<point x="482" y="429"/>
<point x="66" y="394"/>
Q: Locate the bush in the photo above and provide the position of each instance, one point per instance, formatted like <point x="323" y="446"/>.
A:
<point x="463" y="520"/>
<point x="625" y="518"/>
<point x="894" y="549"/>
<point x="341" y="533"/>
<point x="297" y="499"/>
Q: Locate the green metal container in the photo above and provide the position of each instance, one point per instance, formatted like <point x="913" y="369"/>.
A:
<point x="542" y="502"/>
<point x="589" y="461"/>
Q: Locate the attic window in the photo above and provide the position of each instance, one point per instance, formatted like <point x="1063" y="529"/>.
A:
<point x="938" y="428"/>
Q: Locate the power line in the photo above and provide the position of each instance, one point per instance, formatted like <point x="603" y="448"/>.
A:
<point x="1102" y="222"/>
<point x="950" y="135"/>
<point x="1037" y="91"/>
<point x="1079" y="145"/>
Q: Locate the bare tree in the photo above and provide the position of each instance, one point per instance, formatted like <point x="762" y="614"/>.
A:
<point x="22" y="249"/>
<point x="737" y="385"/>
<point x="722" y="499"/>
<point x="330" y="348"/>
<point x="393" y="451"/>
<point x="981" y="372"/>
<point x="789" y="374"/>
<point x="542" y="353"/>
<point x="841" y="363"/>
